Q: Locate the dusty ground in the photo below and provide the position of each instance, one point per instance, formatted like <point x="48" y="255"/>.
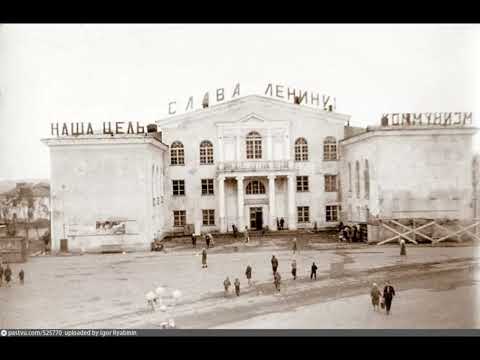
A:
<point x="436" y="287"/>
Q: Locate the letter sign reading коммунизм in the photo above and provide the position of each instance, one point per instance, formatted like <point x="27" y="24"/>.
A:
<point x="428" y="119"/>
<point x="110" y="128"/>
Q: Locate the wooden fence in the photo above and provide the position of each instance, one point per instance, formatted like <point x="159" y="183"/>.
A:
<point x="413" y="230"/>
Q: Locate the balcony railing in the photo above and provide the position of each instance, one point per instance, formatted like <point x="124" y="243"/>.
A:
<point x="255" y="165"/>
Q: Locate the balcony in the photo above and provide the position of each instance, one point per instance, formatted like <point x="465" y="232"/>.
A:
<point x="255" y="165"/>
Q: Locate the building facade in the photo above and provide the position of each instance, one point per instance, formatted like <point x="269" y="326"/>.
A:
<point x="408" y="172"/>
<point x="253" y="162"/>
<point x="106" y="192"/>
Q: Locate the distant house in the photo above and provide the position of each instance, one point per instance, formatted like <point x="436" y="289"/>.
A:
<point x="26" y="200"/>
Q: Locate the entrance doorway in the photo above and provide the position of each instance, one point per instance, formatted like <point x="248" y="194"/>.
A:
<point x="256" y="218"/>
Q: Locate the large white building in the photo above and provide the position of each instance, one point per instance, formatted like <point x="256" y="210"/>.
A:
<point x="248" y="162"/>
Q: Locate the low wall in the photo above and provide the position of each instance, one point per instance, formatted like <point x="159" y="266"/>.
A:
<point x="106" y="243"/>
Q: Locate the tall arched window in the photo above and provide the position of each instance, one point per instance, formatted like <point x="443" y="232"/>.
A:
<point x="255" y="187"/>
<point x="301" y="150"/>
<point x="206" y="153"/>
<point x="367" y="180"/>
<point x="254" y="145"/>
<point x="357" y="179"/>
<point x="330" y="148"/>
<point x="177" y="154"/>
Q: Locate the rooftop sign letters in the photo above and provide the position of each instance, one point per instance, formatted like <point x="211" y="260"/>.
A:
<point x="272" y="90"/>
<point x="109" y="128"/>
<point x="304" y="97"/>
<point x="425" y="119"/>
<point x="219" y="96"/>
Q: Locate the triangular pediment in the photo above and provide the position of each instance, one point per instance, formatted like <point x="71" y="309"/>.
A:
<point x="252" y="118"/>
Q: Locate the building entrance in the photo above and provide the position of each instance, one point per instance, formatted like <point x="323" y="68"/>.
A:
<point x="256" y="218"/>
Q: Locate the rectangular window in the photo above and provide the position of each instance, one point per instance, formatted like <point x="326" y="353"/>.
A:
<point x="207" y="186"/>
<point x="331" y="213"/>
<point x="179" y="218"/>
<point x="330" y="183"/>
<point x="302" y="183"/>
<point x="254" y="149"/>
<point x="303" y="214"/>
<point x="178" y="187"/>
<point x="208" y="217"/>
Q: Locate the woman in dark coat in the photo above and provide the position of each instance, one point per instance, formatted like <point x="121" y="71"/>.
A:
<point x="8" y="274"/>
<point x="388" y="294"/>
<point x="294" y="269"/>
<point x="248" y="274"/>
<point x="204" y="258"/>
<point x="274" y="264"/>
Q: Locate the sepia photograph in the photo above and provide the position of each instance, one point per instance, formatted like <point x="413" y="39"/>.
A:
<point x="167" y="178"/>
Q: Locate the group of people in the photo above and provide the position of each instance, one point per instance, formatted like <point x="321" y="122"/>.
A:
<point x="384" y="300"/>
<point x="6" y="275"/>
<point x="349" y="233"/>
<point x="209" y="242"/>
<point x="280" y="223"/>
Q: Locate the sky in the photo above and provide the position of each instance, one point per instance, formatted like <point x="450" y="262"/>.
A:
<point x="125" y="72"/>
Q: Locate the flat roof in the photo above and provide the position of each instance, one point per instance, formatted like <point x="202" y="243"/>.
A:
<point x="405" y="130"/>
<point x="105" y="139"/>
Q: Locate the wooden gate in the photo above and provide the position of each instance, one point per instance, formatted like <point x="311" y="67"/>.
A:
<point x="455" y="230"/>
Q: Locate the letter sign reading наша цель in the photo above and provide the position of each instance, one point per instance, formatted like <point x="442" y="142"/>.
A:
<point x="110" y="128"/>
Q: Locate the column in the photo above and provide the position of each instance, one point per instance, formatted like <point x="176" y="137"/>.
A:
<point x="286" y="146"/>
<point x="269" y="145"/>
<point x="240" y="206"/>
<point x="271" y="202"/>
<point x="238" y="141"/>
<point x="292" y="219"/>
<point x="221" y="203"/>
<point x="220" y="149"/>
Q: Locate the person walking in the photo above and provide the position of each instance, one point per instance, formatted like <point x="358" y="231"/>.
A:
<point x="204" y="258"/>
<point x="226" y="285"/>
<point x="282" y="223"/>
<point x="21" y="276"/>
<point x="1" y="274"/>
<point x="194" y="241"/>
<point x="294" y="245"/>
<point x="345" y="233"/>
<point x="247" y="236"/>
<point x="274" y="262"/>
<point x="8" y="275"/>
<point x="294" y="269"/>
<point x="355" y="233"/>
<point x="207" y="240"/>
<point x="276" y="280"/>
<point x="375" y="294"/>
<point x="388" y="294"/>
<point x="403" y="248"/>
<point x="248" y="274"/>
<point x="313" y="273"/>
<point x="237" y="286"/>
